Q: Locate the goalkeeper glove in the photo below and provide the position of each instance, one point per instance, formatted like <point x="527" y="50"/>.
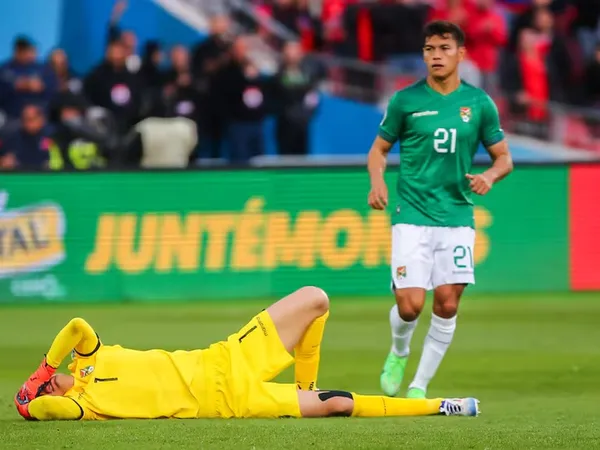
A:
<point x="33" y="388"/>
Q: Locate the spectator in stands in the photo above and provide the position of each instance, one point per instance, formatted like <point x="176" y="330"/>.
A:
<point x="127" y="37"/>
<point x="455" y="11"/>
<point x="77" y="144"/>
<point x="587" y="25"/>
<point x="242" y="95"/>
<point x="553" y="46"/>
<point x="66" y="78"/>
<point x="111" y="86"/>
<point x="27" y="145"/>
<point x="208" y="58"/>
<point x="150" y="72"/>
<point x="296" y="98"/>
<point x="527" y="17"/>
<point x="180" y="97"/>
<point x="23" y="80"/>
<point x="592" y="79"/>
<point x="486" y="34"/>
<point x="332" y="22"/>
<point x="398" y="34"/>
<point x="535" y="91"/>
<point x="540" y="72"/>
<point x="213" y="52"/>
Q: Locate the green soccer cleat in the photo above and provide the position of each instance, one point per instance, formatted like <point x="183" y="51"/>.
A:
<point x="392" y="374"/>
<point x="416" y="393"/>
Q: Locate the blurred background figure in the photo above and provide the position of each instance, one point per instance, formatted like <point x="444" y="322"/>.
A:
<point x="27" y="146"/>
<point x="487" y="33"/>
<point x="111" y="86"/>
<point x="243" y="97"/>
<point x="534" y="57"/>
<point x="150" y="72"/>
<point x="127" y="37"/>
<point x="296" y="97"/>
<point x="398" y="29"/>
<point x="592" y="79"/>
<point x="209" y="57"/>
<point x="77" y="142"/>
<point x="181" y="97"/>
<point x="66" y="78"/>
<point x="24" y="80"/>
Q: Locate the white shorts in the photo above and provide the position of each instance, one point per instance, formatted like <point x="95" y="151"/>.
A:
<point x="428" y="257"/>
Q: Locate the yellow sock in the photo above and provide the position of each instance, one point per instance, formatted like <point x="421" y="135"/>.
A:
<point x="380" y="406"/>
<point x="78" y="335"/>
<point x="308" y="354"/>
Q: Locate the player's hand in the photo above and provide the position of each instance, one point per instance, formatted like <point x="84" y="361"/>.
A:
<point x="378" y="196"/>
<point x="480" y="184"/>
<point x="22" y="399"/>
<point x="32" y="387"/>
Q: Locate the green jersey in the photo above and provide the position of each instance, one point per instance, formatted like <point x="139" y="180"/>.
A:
<point x="439" y="136"/>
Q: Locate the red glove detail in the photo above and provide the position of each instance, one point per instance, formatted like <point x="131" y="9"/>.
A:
<point x="33" y="388"/>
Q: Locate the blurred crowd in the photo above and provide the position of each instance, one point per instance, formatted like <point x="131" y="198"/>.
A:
<point x="156" y="108"/>
<point x="211" y="100"/>
<point x="526" y="53"/>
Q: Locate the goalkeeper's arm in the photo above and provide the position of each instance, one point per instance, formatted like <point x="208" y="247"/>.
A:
<point x="48" y="407"/>
<point x="77" y="335"/>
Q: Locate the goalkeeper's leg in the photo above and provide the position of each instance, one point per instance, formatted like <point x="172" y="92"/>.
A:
<point x="300" y="322"/>
<point x="342" y="403"/>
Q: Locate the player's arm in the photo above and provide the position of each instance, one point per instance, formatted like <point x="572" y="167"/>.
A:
<point x="502" y="163"/>
<point x="77" y="335"/>
<point x="48" y="407"/>
<point x="389" y="129"/>
<point x="493" y="139"/>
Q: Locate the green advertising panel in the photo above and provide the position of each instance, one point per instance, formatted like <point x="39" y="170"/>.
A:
<point x="241" y="234"/>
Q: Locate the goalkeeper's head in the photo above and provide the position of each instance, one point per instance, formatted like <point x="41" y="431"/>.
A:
<point x="58" y="385"/>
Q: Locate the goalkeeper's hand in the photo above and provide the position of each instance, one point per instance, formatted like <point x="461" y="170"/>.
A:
<point x="33" y="388"/>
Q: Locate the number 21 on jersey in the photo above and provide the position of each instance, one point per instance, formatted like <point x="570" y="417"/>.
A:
<point x="444" y="140"/>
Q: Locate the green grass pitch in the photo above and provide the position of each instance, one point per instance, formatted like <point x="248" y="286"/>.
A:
<point x="532" y="360"/>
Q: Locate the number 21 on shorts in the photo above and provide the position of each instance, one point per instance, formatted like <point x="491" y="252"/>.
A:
<point x="463" y="257"/>
<point x="444" y="140"/>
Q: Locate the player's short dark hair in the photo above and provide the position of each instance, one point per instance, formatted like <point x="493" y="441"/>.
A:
<point x="442" y="28"/>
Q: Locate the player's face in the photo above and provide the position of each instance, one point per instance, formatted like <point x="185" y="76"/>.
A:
<point x="442" y="55"/>
<point x="58" y="385"/>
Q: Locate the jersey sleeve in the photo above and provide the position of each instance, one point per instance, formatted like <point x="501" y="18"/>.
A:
<point x="392" y="123"/>
<point x="77" y="335"/>
<point x="491" y="132"/>
<point x="49" y="407"/>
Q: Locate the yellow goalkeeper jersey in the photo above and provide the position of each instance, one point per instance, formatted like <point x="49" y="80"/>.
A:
<point x="116" y="382"/>
<point x="124" y="383"/>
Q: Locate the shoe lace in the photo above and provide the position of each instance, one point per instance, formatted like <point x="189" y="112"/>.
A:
<point x="451" y="407"/>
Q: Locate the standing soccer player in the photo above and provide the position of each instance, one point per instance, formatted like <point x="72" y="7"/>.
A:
<point x="439" y="122"/>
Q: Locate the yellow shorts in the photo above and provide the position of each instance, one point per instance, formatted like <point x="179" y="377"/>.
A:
<point x="239" y="370"/>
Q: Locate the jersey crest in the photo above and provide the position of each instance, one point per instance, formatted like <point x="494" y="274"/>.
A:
<point x="86" y="371"/>
<point x="401" y="272"/>
<point x="465" y="113"/>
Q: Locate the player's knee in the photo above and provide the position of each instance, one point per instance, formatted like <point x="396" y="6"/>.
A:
<point x="317" y="298"/>
<point x="339" y="406"/>
<point x="446" y="308"/>
<point x="76" y="323"/>
<point x="337" y="403"/>
<point x="407" y="309"/>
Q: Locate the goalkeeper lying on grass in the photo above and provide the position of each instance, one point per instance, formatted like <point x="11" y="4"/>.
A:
<point x="229" y="379"/>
